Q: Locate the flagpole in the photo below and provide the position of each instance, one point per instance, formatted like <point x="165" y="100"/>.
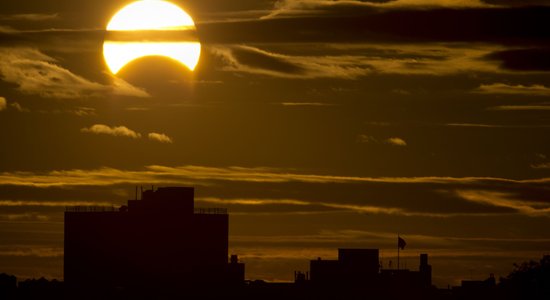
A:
<point x="398" y="251"/>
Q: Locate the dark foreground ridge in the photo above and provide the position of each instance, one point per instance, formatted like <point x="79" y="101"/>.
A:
<point x="162" y="247"/>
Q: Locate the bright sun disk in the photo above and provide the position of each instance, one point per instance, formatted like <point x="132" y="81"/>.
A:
<point x="151" y="28"/>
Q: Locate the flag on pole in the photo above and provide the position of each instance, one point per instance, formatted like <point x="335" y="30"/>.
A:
<point x="401" y="243"/>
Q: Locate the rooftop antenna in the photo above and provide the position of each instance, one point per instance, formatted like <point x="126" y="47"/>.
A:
<point x="136" y="192"/>
<point x="141" y="192"/>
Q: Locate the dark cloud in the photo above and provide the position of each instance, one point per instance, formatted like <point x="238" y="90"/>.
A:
<point x="355" y="61"/>
<point x="531" y="59"/>
<point x="517" y="2"/>
<point x="51" y="39"/>
<point x="257" y="59"/>
<point x="497" y="25"/>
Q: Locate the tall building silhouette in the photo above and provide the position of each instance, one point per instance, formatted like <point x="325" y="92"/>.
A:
<point x="161" y="239"/>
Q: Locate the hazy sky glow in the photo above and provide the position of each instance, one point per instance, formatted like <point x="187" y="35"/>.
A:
<point x="319" y="124"/>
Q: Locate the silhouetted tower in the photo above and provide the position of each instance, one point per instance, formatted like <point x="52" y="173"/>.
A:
<point x="235" y="271"/>
<point x="425" y="271"/>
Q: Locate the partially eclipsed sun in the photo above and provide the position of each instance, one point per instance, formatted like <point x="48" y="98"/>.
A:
<point x="151" y="28"/>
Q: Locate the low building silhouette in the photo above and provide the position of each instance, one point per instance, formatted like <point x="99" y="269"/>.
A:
<point x="160" y="240"/>
<point x="421" y="279"/>
<point x="8" y="286"/>
<point x="357" y="271"/>
<point x="477" y="289"/>
<point x="352" y="266"/>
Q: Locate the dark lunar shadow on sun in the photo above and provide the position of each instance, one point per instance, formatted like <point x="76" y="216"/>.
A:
<point x="160" y="76"/>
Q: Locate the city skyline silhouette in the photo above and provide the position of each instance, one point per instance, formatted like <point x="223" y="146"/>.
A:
<point x="160" y="245"/>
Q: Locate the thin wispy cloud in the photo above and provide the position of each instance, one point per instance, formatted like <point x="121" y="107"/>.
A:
<point x="382" y="238"/>
<point x="81" y="111"/>
<point x="287" y="66"/>
<point x="182" y="175"/>
<point x="36" y="17"/>
<point x="36" y="203"/>
<point x="294" y="104"/>
<point x="508" y="89"/>
<point x="506" y="200"/>
<point x="356" y="208"/>
<point x="348" y="234"/>
<point x="495" y="126"/>
<point x="394" y="141"/>
<point x="437" y="3"/>
<point x="84" y="111"/>
<point x="367" y="139"/>
<point x="34" y="250"/>
<point x="7" y="30"/>
<point x="138" y="108"/>
<point x="122" y="131"/>
<point x="19" y="107"/>
<point x="541" y="166"/>
<point x="305" y="207"/>
<point x="30" y="217"/>
<point x="325" y="241"/>
<point x="475" y="125"/>
<point x="286" y="8"/>
<point x="39" y="74"/>
<point x="388" y="59"/>
<point x="520" y="107"/>
<point x="254" y="202"/>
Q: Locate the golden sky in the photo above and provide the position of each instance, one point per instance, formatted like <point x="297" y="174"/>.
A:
<point x="319" y="124"/>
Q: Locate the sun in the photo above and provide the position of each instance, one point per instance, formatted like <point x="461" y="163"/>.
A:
<point x="151" y="28"/>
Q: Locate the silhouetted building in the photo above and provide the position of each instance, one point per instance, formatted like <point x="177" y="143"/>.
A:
<point x="352" y="266"/>
<point x="235" y="271"/>
<point x="420" y="279"/>
<point x="425" y="271"/>
<point x="360" y="268"/>
<point x="359" y="265"/>
<point x="477" y="289"/>
<point x="301" y="277"/>
<point x="8" y="286"/>
<point x="40" y="289"/>
<point x="325" y="271"/>
<point x="160" y="240"/>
